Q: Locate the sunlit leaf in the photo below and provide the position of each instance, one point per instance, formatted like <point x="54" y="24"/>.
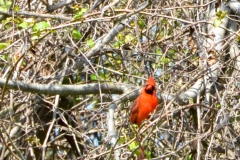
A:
<point x="221" y="14"/>
<point x="166" y="60"/>
<point x="4" y="5"/>
<point x="90" y="43"/>
<point x="3" y="45"/>
<point x="24" y="63"/>
<point x="33" y="140"/>
<point x="217" y="22"/>
<point x="16" y="8"/>
<point x="149" y="154"/>
<point x="191" y="101"/>
<point x="118" y="44"/>
<point x="121" y="140"/>
<point x="80" y="13"/>
<point x="133" y="145"/>
<point x="77" y="7"/>
<point x="41" y="26"/>
<point x="238" y="38"/>
<point x="93" y="77"/>
<point x="23" y="25"/>
<point x="120" y="37"/>
<point x="218" y="106"/>
<point x="36" y="35"/>
<point x="76" y="34"/>
<point x="186" y="51"/>
<point x="158" y="51"/>
<point x="7" y="26"/>
<point x="119" y="61"/>
<point x="141" y="23"/>
<point x="8" y="3"/>
<point x="129" y="38"/>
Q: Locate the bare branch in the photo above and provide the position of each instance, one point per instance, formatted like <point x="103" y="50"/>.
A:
<point x="51" y="89"/>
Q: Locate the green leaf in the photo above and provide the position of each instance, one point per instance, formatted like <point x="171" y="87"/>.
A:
<point x="221" y="14"/>
<point x="36" y="35"/>
<point x="141" y="23"/>
<point x="159" y="51"/>
<point x="3" y="8"/>
<point x="191" y="101"/>
<point x="24" y="63"/>
<point x="4" y="57"/>
<point x="119" y="61"/>
<point x="33" y="140"/>
<point x="172" y="51"/>
<point x="76" y="34"/>
<point x="3" y="45"/>
<point x="133" y="145"/>
<point x="218" y="106"/>
<point x="8" y="3"/>
<point x="41" y="26"/>
<point x="93" y="77"/>
<point x="164" y="21"/>
<point x="90" y="43"/>
<point x="16" y="8"/>
<point x="190" y="157"/>
<point x="217" y="22"/>
<point x="78" y="99"/>
<point x="80" y="13"/>
<point x="23" y="25"/>
<point x="231" y="120"/>
<point x="7" y="26"/>
<point x="121" y="140"/>
<point x="120" y="37"/>
<point x="186" y="51"/>
<point x="166" y="60"/>
<point x="4" y="5"/>
<point x="238" y="38"/>
<point x="149" y="154"/>
<point x="118" y="44"/>
<point x="129" y="38"/>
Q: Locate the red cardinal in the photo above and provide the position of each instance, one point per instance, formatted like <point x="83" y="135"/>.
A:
<point x="146" y="102"/>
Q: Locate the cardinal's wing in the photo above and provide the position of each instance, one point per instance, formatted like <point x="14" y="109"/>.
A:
<point x="134" y="112"/>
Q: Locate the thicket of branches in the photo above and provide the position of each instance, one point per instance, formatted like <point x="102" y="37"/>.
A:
<point x="70" y="71"/>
